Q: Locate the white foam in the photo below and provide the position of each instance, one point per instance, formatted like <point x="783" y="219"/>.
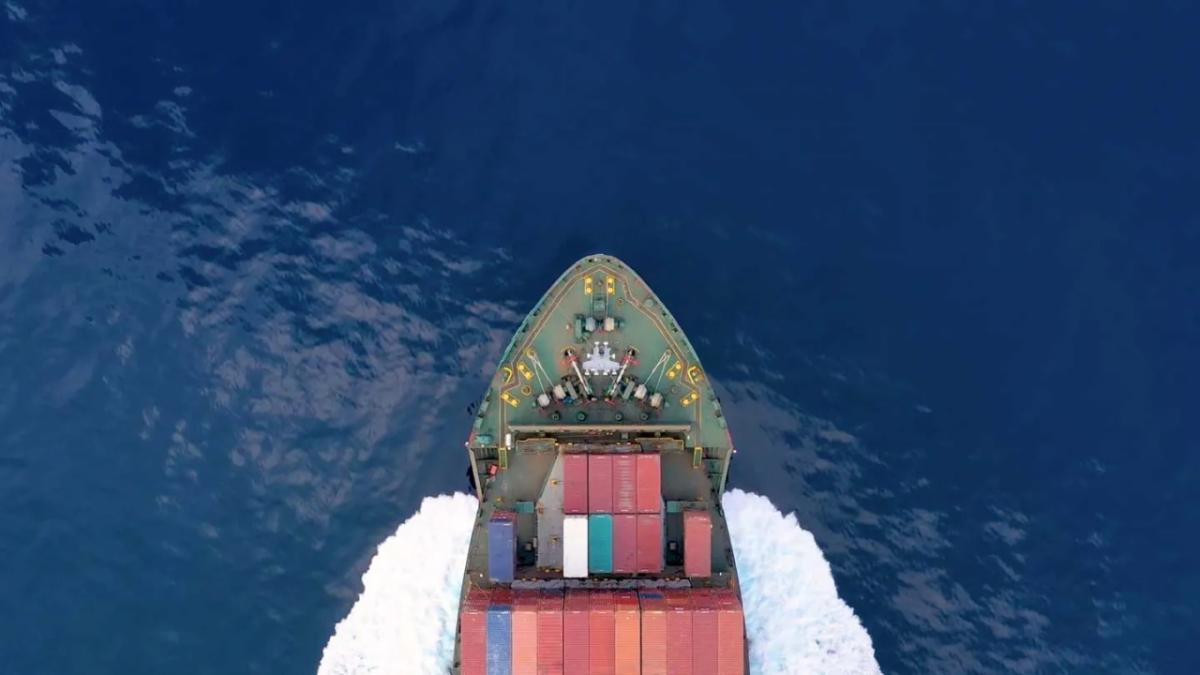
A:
<point x="403" y="623"/>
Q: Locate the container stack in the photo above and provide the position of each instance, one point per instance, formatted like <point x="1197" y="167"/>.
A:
<point x="654" y="632"/>
<point x="679" y="631"/>
<point x="623" y="632"/>
<point x="697" y="544"/>
<point x="525" y="633"/>
<point x="502" y="547"/>
<point x="575" y="631"/>
<point x="473" y="632"/>
<point x="628" y="633"/>
<point x="575" y="546"/>
<point x="704" y="634"/>
<point x="550" y="633"/>
<point x="602" y="633"/>
<point x="649" y="503"/>
<point x="575" y="484"/>
<point x="499" y="632"/>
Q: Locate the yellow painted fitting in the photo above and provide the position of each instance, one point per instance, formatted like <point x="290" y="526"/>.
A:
<point x="610" y="285"/>
<point x="525" y="372"/>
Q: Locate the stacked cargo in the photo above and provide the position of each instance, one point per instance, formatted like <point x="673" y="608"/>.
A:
<point x="628" y="633"/>
<point x="575" y="546"/>
<point x="525" y="633"/>
<point x="697" y="544"/>
<point x="731" y="633"/>
<point x="499" y="632"/>
<point x="600" y="483"/>
<point x="575" y="632"/>
<point x="679" y="632"/>
<point x="602" y="650"/>
<point x="649" y="538"/>
<point x="550" y="633"/>
<point x="654" y="632"/>
<point x="600" y="543"/>
<point x="625" y="543"/>
<point x="575" y="484"/>
<point x="502" y="546"/>
<point x="704" y="634"/>
<point x="625" y="490"/>
<point x="473" y="632"/>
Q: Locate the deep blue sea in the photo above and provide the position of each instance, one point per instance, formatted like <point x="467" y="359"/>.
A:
<point x="258" y="258"/>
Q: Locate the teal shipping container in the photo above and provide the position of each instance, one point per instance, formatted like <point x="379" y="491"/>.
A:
<point x="600" y="543"/>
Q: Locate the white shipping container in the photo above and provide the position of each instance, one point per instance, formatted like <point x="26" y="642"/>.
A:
<point x="575" y="546"/>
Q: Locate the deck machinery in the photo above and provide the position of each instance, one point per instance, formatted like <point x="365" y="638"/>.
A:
<point x="599" y="365"/>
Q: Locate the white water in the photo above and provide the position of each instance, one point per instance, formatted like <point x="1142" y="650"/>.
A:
<point x="403" y="623"/>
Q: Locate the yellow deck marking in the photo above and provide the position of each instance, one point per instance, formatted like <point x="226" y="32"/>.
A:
<point x="525" y="372"/>
<point x="674" y="370"/>
<point x="695" y="375"/>
<point x="510" y="399"/>
<point x="610" y="285"/>
<point x="689" y="398"/>
<point x="507" y="374"/>
<point x="587" y="285"/>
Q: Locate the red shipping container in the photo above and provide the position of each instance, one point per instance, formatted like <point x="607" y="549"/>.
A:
<point x="679" y="632"/>
<point x="697" y="544"/>
<point x="524" y="632"/>
<point x="550" y="633"/>
<point x="473" y="633"/>
<point x="625" y="483"/>
<point x="575" y="484"/>
<point x="625" y="544"/>
<point x="654" y="632"/>
<point x="629" y="633"/>
<point x="649" y="543"/>
<point x="600" y="484"/>
<point x="602" y="638"/>
<point x="731" y="630"/>
<point x="649" y="483"/>
<point x="705" y="636"/>
<point x="575" y="632"/>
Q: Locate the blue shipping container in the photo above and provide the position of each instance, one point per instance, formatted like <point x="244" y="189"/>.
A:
<point x="502" y="547"/>
<point x="600" y="543"/>
<point x="499" y="640"/>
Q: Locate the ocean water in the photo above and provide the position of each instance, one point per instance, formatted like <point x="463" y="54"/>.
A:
<point x="258" y="259"/>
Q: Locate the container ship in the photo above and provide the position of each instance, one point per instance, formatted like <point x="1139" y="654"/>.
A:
<point x="599" y="454"/>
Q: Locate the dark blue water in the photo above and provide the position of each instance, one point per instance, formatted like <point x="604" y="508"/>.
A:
<point x="256" y="260"/>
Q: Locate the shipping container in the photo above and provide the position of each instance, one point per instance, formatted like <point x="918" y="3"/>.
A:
<point x="575" y="546"/>
<point x="473" y="632"/>
<point x="624" y="543"/>
<point x="654" y="632"/>
<point x="731" y="629"/>
<point x="600" y="543"/>
<point x="575" y="483"/>
<point x="550" y="633"/>
<point x="649" y="543"/>
<point x="575" y="632"/>
<point x="697" y="544"/>
<point x="602" y="650"/>
<point x="649" y="483"/>
<point x="625" y="483"/>
<point x="679" y="632"/>
<point x="705" y="636"/>
<point x="502" y="547"/>
<point x="600" y="484"/>
<point x="629" y="633"/>
<point x="499" y="633"/>
<point x="525" y="632"/>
